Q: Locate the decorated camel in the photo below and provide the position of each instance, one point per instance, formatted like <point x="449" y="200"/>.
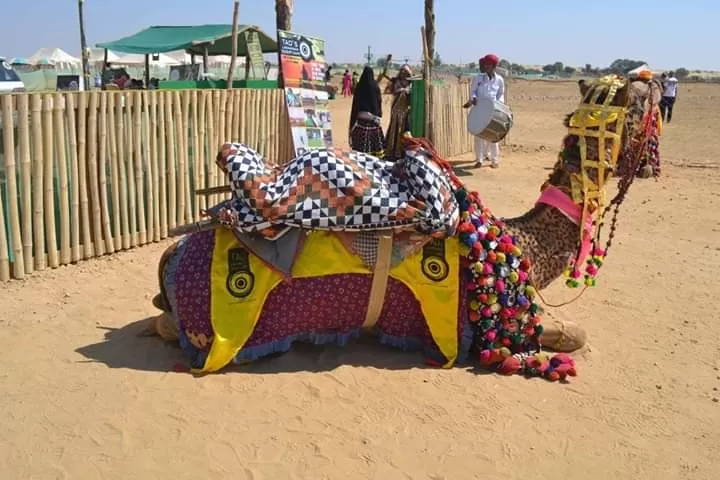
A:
<point x="336" y="243"/>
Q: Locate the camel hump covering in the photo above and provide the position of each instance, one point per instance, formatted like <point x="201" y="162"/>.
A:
<point x="336" y="190"/>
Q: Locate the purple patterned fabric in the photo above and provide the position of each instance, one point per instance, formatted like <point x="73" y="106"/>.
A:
<point x="193" y="284"/>
<point x="333" y="307"/>
<point x="330" y="304"/>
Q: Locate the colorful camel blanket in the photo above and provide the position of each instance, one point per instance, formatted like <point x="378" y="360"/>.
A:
<point x="331" y="189"/>
<point x="471" y="290"/>
<point x="231" y="308"/>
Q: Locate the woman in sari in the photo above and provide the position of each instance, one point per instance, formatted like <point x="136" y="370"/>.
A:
<point x="399" y="114"/>
<point x="346" y="84"/>
<point x="366" y="133"/>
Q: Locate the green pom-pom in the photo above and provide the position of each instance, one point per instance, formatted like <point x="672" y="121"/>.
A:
<point x="572" y="283"/>
<point x="539" y="329"/>
<point x="533" y="308"/>
<point x="485" y="324"/>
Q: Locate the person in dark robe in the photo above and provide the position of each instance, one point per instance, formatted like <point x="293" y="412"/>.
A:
<point x="366" y="134"/>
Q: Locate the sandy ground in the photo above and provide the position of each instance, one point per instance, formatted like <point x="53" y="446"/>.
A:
<point x="83" y="397"/>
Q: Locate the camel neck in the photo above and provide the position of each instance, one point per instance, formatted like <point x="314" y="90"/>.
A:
<point x="549" y="238"/>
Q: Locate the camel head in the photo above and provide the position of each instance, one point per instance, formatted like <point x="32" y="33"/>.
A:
<point x="613" y="116"/>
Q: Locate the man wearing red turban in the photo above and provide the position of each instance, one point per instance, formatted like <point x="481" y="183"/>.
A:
<point x="487" y="84"/>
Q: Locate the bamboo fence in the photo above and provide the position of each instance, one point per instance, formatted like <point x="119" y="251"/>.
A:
<point x="450" y="136"/>
<point x="83" y="174"/>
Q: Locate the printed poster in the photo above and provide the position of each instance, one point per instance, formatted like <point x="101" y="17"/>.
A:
<point x="255" y="56"/>
<point x="302" y="60"/>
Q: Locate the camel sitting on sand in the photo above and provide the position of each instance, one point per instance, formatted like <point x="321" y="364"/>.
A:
<point x="456" y="282"/>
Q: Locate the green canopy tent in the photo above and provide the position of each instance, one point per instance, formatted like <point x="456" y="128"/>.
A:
<point x="205" y="40"/>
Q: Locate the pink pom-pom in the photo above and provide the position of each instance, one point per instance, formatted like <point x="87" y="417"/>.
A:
<point x="575" y="273"/>
<point x="486" y="312"/>
<point x="488" y="269"/>
<point x="485" y="356"/>
<point x="591" y="270"/>
<point x="522" y="276"/>
<point x="500" y="286"/>
<point x="562" y="359"/>
<point x="509" y="366"/>
<point x="599" y="252"/>
<point x="490" y="336"/>
<point x="565" y="370"/>
<point x="506" y="239"/>
<point x="543" y="367"/>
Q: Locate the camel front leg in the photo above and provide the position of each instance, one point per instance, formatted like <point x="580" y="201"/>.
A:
<point x="163" y="325"/>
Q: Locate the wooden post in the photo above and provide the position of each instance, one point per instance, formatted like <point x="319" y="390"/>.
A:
<point x="147" y="71"/>
<point x="233" y="48"/>
<point x="283" y="21"/>
<point x="104" y="69"/>
<point x="507" y="100"/>
<point x="83" y="46"/>
<point x="429" y="39"/>
<point x="427" y="77"/>
<point x="205" y="59"/>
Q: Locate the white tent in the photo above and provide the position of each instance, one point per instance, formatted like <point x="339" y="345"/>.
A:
<point x="97" y="56"/>
<point x="54" y="56"/>
<point x="181" y="57"/>
<point x="135" y="59"/>
<point x="644" y="67"/>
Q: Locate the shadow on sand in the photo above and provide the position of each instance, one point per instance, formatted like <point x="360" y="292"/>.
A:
<point x="127" y="347"/>
<point x="464" y="168"/>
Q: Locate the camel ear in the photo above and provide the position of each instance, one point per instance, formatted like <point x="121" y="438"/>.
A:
<point x="584" y="87"/>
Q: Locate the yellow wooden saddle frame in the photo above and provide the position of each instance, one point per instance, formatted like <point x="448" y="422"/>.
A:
<point x="592" y="119"/>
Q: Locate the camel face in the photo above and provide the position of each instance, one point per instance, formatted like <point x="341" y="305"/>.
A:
<point x="639" y="99"/>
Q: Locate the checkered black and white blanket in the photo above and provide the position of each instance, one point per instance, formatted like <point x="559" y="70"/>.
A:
<point x="336" y="190"/>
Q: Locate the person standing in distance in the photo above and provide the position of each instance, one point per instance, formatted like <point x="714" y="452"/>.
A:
<point x="487" y="84"/>
<point x="670" y="85"/>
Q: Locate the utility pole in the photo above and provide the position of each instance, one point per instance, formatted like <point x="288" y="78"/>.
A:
<point x="369" y="56"/>
<point x="233" y="48"/>
<point x="83" y="47"/>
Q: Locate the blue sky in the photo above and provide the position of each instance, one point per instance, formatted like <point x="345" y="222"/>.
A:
<point x="667" y="34"/>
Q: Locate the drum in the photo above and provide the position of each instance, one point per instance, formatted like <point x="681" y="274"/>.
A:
<point x="490" y="120"/>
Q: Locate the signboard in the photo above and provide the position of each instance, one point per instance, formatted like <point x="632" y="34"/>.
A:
<point x="302" y="60"/>
<point x="254" y="56"/>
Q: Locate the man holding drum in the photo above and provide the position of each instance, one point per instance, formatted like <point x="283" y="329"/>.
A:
<point x="487" y="84"/>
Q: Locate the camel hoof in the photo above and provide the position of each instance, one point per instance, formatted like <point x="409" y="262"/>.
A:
<point x="646" y="172"/>
<point x="162" y="325"/>
<point x="570" y="337"/>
